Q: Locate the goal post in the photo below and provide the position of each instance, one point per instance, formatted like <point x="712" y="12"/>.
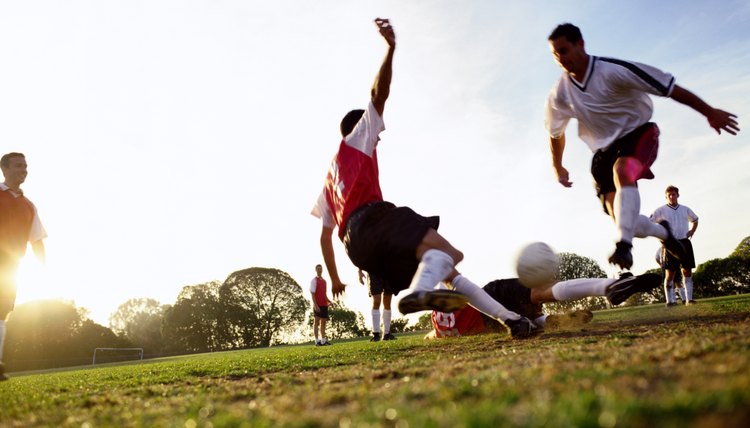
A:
<point x="139" y="352"/>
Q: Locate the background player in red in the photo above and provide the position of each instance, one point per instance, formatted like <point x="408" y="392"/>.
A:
<point x="392" y="243"/>
<point x="19" y="225"/>
<point x="320" y="303"/>
<point x="610" y="99"/>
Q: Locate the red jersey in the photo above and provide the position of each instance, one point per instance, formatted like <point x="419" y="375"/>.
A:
<point x="318" y="288"/>
<point x="16" y="218"/>
<point x="463" y="322"/>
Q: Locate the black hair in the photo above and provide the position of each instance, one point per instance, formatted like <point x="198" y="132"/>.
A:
<point x="349" y="121"/>
<point x="567" y="30"/>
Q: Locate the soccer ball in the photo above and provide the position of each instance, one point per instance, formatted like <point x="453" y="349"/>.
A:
<point x="537" y="265"/>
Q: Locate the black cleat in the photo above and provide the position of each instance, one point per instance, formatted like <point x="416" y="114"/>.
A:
<point x="671" y="244"/>
<point x="670" y="304"/>
<point x="434" y="300"/>
<point x="521" y="328"/>
<point x="622" y="256"/>
<point x="389" y="336"/>
<point x="375" y="337"/>
<point x="627" y="285"/>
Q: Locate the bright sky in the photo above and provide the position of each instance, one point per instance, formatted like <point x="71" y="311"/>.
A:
<point x="172" y="142"/>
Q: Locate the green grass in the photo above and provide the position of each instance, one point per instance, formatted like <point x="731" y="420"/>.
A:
<point x="642" y="366"/>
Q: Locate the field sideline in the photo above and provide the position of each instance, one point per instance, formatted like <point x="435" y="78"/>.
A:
<point x="641" y="366"/>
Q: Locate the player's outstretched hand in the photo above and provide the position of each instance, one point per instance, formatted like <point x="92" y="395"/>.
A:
<point x="338" y="288"/>
<point x="563" y="177"/>
<point x="722" y="120"/>
<point x="386" y="30"/>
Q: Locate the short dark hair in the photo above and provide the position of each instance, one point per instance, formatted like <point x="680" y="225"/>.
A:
<point x="672" y="188"/>
<point x="5" y="160"/>
<point x="567" y="30"/>
<point x="349" y="121"/>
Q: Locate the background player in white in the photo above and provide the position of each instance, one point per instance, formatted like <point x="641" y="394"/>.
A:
<point x="376" y="287"/>
<point x="684" y="223"/>
<point x="392" y="243"/>
<point x="610" y="100"/>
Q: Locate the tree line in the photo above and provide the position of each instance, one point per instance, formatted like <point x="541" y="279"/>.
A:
<point x="259" y="307"/>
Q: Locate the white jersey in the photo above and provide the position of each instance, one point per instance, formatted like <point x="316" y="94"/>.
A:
<point x="611" y="101"/>
<point x="680" y="218"/>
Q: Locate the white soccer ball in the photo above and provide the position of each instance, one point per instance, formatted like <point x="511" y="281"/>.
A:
<point x="537" y="265"/>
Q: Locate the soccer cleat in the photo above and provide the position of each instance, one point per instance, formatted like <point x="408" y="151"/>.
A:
<point x="521" y="328"/>
<point x="375" y="337"/>
<point x="571" y="319"/>
<point x="691" y="302"/>
<point x="622" y="256"/>
<point x="627" y="285"/>
<point x="389" y="336"/>
<point x="435" y="300"/>
<point x="326" y="343"/>
<point x="671" y="244"/>
<point x="2" y="373"/>
<point x="670" y="304"/>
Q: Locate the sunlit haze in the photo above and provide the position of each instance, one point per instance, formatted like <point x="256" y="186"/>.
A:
<point x="171" y="143"/>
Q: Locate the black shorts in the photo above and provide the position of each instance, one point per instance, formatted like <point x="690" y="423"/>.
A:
<point x="376" y="285"/>
<point x="515" y="297"/>
<point x="642" y="143"/>
<point x="672" y="264"/>
<point x="382" y="240"/>
<point x="322" y="312"/>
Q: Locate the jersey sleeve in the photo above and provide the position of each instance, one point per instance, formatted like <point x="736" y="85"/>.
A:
<point x="557" y="112"/>
<point x="643" y="77"/>
<point x="693" y="217"/>
<point x="313" y="285"/>
<point x="364" y="137"/>
<point x="322" y="211"/>
<point x="37" y="232"/>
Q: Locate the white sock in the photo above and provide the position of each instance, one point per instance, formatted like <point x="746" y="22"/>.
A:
<point x="669" y="291"/>
<point x="575" y="289"/>
<point x="434" y="267"/>
<point x="2" y="338"/>
<point x="376" y="320"/>
<point x="681" y="291"/>
<point x="482" y="301"/>
<point x="627" y="207"/>
<point x="386" y="321"/>
<point x="689" y="287"/>
<point x="541" y="321"/>
<point x="645" y="227"/>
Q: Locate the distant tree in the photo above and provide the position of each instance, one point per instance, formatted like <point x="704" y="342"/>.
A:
<point x="262" y="305"/>
<point x="194" y="322"/>
<point x="573" y="266"/>
<point x="398" y="325"/>
<point x="140" y="320"/>
<point x="423" y="323"/>
<point x="743" y="249"/>
<point x="52" y="333"/>
<point x="720" y="277"/>
<point x="344" y="323"/>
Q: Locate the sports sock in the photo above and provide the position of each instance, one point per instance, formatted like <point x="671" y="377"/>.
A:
<point x="688" y="288"/>
<point x="386" y="321"/>
<point x="681" y="291"/>
<point x="627" y="206"/>
<point x="2" y="338"/>
<point x="575" y="289"/>
<point x="482" y="301"/>
<point x="376" y="320"/>
<point x="541" y="321"/>
<point x="669" y="291"/>
<point x="434" y="267"/>
<point x="645" y="227"/>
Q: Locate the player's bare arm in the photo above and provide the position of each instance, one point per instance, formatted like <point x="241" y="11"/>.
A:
<point x="329" y="258"/>
<point x="382" y="86"/>
<point x="39" y="251"/>
<point x="557" y="147"/>
<point x="717" y="119"/>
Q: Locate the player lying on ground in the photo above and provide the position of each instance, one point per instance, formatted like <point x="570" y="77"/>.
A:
<point x="528" y="302"/>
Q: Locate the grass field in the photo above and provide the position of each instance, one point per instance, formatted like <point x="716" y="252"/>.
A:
<point x="645" y="366"/>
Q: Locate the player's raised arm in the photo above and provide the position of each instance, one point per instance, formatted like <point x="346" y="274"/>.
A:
<point x="382" y="86"/>
<point x="557" y="147"/>
<point x="717" y="119"/>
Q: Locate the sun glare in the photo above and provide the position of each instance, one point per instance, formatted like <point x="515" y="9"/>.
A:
<point x="33" y="282"/>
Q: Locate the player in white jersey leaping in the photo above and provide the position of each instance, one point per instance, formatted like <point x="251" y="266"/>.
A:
<point x="610" y="100"/>
<point x="393" y="243"/>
